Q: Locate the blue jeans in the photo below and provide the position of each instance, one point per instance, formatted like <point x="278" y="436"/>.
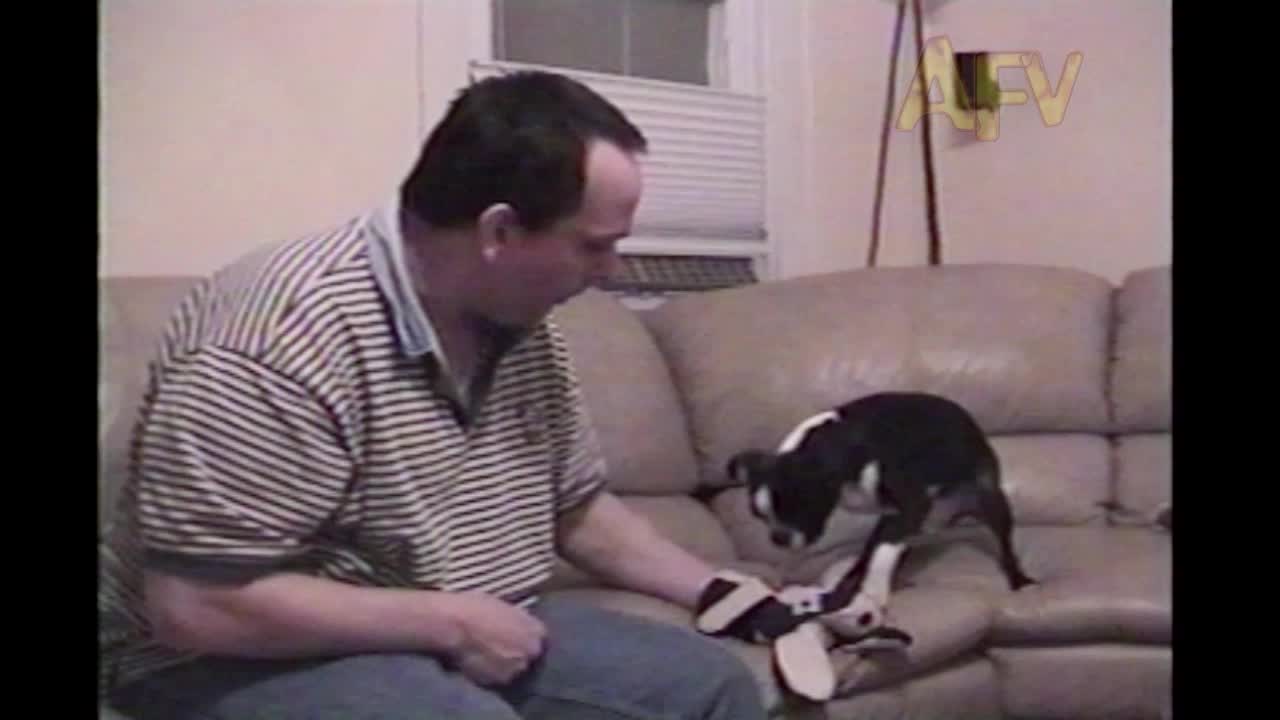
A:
<point x="598" y="665"/>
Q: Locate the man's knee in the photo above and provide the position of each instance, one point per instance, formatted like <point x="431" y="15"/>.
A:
<point x="628" y="656"/>
<point x="726" y="670"/>
<point x="702" y="672"/>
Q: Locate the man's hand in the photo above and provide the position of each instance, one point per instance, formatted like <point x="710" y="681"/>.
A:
<point x="499" y="640"/>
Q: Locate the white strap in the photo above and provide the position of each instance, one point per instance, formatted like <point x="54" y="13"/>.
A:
<point x="804" y="664"/>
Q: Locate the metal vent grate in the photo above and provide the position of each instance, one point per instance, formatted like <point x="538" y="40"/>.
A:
<point x="681" y="273"/>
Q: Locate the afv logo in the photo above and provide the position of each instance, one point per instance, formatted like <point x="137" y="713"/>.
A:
<point x="971" y="94"/>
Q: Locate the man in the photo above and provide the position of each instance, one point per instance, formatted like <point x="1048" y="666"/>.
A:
<point x="360" y="450"/>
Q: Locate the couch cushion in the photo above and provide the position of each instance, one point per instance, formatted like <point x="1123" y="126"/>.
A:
<point x="967" y="689"/>
<point x="1096" y="584"/>
<point x="945" y="624"/>
<point x="135" y="309"/>
<point x="1144" y="474"/>
<point x="1142" y="373"/>
<point x="1055" y="479"/>
<point x="1024" y="348"/>
<point x="628" y="392"/>
<point x="1091" y="681"/>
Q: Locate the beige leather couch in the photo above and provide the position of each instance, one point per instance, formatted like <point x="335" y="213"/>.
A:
<point x="1069" y="374"/>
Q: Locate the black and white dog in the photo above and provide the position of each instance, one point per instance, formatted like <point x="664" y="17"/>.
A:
<point x="899" y="455"/>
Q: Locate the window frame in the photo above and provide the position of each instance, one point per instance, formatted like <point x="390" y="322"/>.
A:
<point x="737" y="64"/>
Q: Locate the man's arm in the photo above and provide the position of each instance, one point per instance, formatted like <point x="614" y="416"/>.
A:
<point x="239" y="465"/>
<point x="289" y="616"/>
<point x="609" y="540"/>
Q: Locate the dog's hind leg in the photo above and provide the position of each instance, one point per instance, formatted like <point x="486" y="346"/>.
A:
<point x="999" y="517"/>
<point x="993" y="507"/>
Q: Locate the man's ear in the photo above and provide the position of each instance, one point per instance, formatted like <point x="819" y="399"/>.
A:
<point x="496" y="228"/>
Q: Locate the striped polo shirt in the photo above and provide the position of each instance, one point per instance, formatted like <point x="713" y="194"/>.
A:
<point x="298" y="417"/>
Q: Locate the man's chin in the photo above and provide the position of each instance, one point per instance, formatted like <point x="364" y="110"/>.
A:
<point x="527" y="321"/>
<point x="499" y="329"/>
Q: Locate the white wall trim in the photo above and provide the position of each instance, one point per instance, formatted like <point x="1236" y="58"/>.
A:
<point x="480" y="28"/>
<point x="744" y="31"/>
<point x="809" y="213"/>
<point x="739" y="64"/>
<point x="792" y="191"/>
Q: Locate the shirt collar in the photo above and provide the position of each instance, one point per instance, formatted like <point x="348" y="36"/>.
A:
<point x="413" y="329"/>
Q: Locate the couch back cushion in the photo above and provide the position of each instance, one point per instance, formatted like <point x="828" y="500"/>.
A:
<point x="629" y="394"/>
<point x="1144" y="475"/>
<point x="1142" y="371"/>
<point x="133" y="314"/>
<point x="1023" y="348"/>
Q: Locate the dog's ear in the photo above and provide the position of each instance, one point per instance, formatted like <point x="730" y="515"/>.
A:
<point x="742" y="466"/>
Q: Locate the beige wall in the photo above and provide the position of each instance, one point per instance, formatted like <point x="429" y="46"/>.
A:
<point x="228" y="123"/>
<point x="1093" y="192"/>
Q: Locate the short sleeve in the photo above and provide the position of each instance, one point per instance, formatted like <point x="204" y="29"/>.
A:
<point x="580" y="466"/>
<point x="236" y="468"/>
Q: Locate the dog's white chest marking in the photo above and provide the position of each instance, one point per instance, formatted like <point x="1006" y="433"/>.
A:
<point x="860" y="497"/>
<point x="869" y="480"/>
<point x="880" y="574"/>
<point x="794" y="438"/>
<point x="762" y="502"/>
<point x="868" y="606"/>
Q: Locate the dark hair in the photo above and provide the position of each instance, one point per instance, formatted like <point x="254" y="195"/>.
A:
<point x="518" y="139"/>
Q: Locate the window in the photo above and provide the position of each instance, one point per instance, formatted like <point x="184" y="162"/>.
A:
<point x="656" y="39"/>
<point x="685" y="71"/>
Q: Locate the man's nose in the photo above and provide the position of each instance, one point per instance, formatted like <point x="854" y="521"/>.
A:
<point x="781" y="538"/>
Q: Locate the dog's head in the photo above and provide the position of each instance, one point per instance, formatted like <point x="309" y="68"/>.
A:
<point x="794" y="492"/>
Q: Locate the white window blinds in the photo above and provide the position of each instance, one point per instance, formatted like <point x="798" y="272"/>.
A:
<point x="705" y="169"/>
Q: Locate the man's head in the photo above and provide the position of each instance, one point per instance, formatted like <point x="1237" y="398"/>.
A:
<point x="541" y="173"/>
